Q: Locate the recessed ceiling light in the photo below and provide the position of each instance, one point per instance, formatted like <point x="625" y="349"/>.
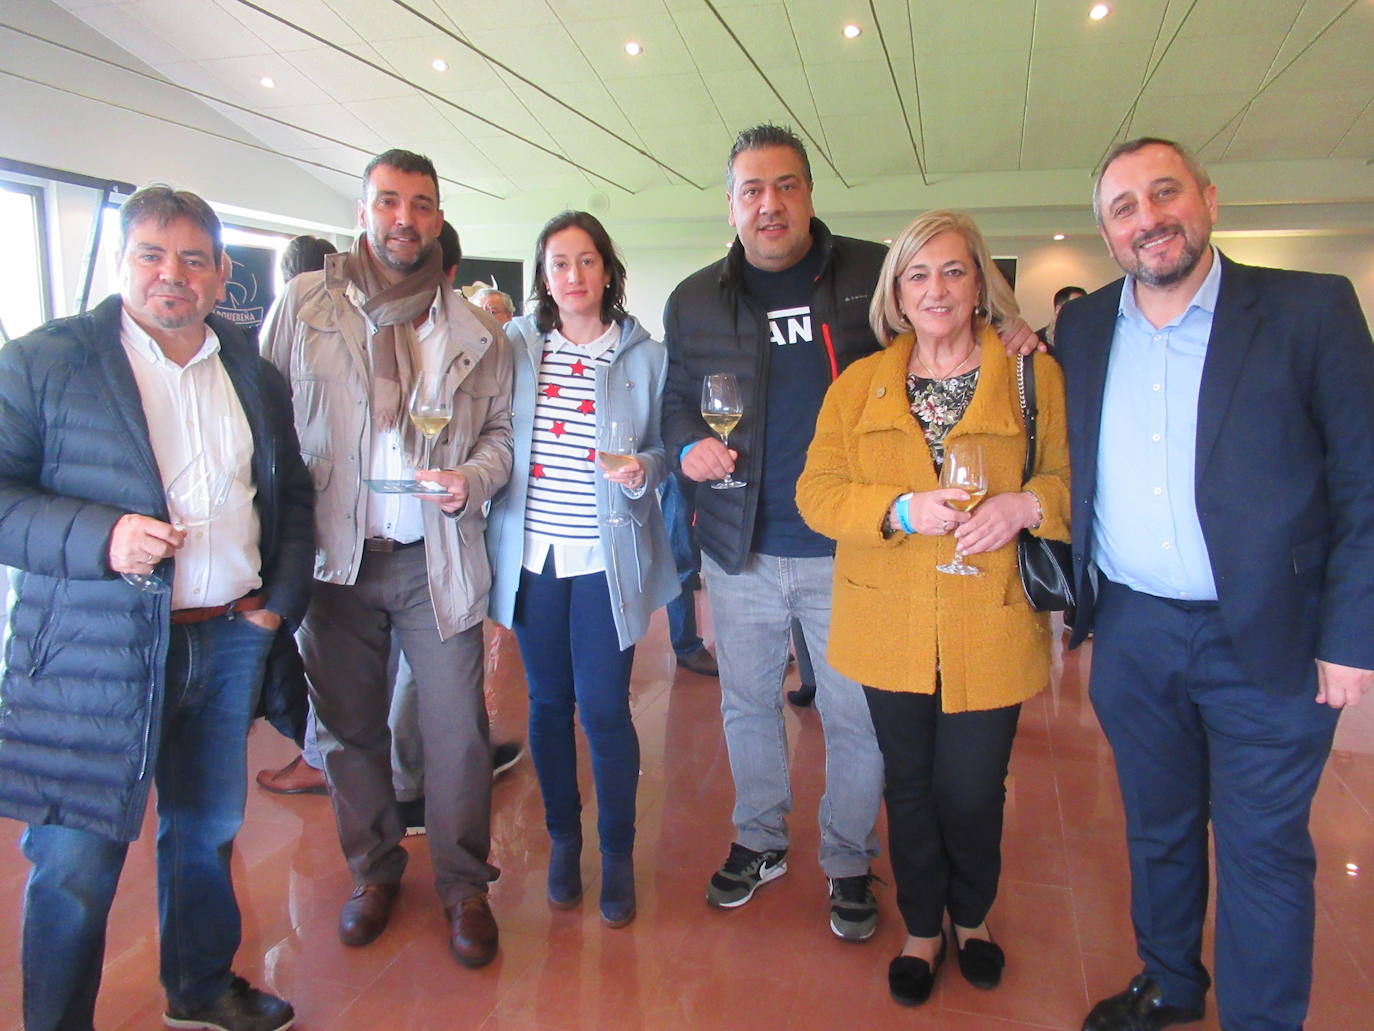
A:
<point x="1059" y="236"/>
<point x="266" y="82"/>
<point x="439" y="64"/>
<point x="888" y="241"/>
<point x="852" y="31"/>
<point x="1099" y="11"/>
<point x="634" y="49"/>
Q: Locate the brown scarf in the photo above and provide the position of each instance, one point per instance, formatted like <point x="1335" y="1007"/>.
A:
<point x="386" y="307"/>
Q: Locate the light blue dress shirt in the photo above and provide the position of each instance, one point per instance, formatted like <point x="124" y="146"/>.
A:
<point x="1146" y="530"/>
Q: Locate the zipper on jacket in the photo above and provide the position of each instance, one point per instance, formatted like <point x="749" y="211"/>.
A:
<point x="830" y="352"/>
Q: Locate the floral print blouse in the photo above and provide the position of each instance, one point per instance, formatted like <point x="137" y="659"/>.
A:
<point x="938" y="404"/>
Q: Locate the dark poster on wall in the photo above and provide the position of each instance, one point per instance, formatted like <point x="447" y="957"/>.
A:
<point x="509" y="276"/>
<point x="1007" y="266"/>
<point x="249" y="292"/>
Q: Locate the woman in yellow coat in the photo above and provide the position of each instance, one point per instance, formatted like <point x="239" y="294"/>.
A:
<point x="945" y="660"/>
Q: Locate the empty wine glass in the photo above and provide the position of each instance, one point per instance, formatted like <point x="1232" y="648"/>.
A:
<point x="722" y="409"/>
<point x="195" y="497"/>
<point x="431" y="408"/>
<point x="963" y="470"/>
<point x="616" y="452"/>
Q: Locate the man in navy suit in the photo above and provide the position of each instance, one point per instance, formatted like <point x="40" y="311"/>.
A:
<point x="1221" y="426"/>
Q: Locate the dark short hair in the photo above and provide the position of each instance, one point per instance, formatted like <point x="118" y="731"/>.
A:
<point x="304" y="254"/>
<point x="766" y="135"/>
<point x="450" y="250"/>
<point x="403" y="161"/>
<point x="1193" y="165"/>
<point x="163" y="204"/>
<point x="612" y="301"/>
<point x="1067" y="293"/>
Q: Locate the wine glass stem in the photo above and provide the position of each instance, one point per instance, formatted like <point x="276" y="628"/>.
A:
<point x="429" y="442"/>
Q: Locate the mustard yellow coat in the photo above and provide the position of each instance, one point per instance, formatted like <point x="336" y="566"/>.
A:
<point x="894" y="616"/>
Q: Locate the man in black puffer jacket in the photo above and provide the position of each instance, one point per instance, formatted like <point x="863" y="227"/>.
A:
<point x="110" y="687"/>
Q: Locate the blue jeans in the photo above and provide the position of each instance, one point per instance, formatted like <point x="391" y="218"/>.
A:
<point x="678" y="510"/>
<point x="566" y="631"/>
<point x="214" y="676"/>
<point x="753" y="612"/>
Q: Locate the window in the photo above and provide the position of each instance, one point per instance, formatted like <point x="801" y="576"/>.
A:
<point x="24" y="298"/>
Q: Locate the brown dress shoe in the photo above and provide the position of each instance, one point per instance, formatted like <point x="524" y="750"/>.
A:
<point x="366" y="912"/>
<point x="295" y="778"/>
<point x="474" y="934"/>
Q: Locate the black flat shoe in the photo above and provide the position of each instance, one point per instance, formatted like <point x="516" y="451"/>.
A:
<point x="911" y="980"/>
<point x="981" y="963"/>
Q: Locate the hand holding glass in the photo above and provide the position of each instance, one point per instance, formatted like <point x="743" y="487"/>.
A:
<point x="195" y="497"/>
<point x="722" y="409"/>
<point x="963" y="470"/>
<point x="616" y="452"/>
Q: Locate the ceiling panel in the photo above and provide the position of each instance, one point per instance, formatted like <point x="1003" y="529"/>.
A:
<point x="211" y="33"/>
<point x="1287" y="126"/>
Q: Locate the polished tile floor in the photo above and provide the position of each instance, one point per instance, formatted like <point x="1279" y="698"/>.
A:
<point x="1061" y="916"/>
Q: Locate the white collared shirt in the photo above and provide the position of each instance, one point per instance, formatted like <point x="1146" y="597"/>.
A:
<point x="397" y="516"/>
<point x="189" y="409"/>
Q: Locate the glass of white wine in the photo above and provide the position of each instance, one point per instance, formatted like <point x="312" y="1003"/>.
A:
<point x="963" y="470"/>
<point x="617" y="450"/>
<point x="431" y="408"/>
<point x="722" y="409"/>
<point x="194" y="497"/>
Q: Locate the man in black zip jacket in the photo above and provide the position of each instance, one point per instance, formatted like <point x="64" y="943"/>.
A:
<point x="784" y="312"/>
<point x="112" y="686"/>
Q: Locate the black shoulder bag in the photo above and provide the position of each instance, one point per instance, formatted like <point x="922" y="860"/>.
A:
<point x="1046" y="566"/>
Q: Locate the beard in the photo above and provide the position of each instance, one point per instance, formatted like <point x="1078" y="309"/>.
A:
<point x="379" y="251"/>
<point x="1187" y="260"/>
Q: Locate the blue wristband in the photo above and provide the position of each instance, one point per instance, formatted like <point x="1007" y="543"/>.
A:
<point x="904" y="513"/>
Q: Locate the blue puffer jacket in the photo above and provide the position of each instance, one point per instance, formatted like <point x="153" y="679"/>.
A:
<point x="86" y="654"/>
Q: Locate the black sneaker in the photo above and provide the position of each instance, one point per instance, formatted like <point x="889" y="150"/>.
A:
<point x="734" y="883"/>
<point x="853" y="909"/>
<point x="413" y="816"/>
<point x="504" y="756"/>
<point x="241" y="1008"/>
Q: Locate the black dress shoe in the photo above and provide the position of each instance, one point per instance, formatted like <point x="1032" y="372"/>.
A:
<point x="1139" y="1008"/>
<point x="981" y="963"/>
<point x="911" y="980"/>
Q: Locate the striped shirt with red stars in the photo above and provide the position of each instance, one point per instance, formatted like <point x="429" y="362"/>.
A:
<point x="560" y="504"/>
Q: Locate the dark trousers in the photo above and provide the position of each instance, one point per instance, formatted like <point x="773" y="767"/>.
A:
<point x="346" y="643"/>
<point x="573" y="662"/>
<point x="1194" y="737"/>
<point x="945" y="785"/>
<point x="214" y="675"/>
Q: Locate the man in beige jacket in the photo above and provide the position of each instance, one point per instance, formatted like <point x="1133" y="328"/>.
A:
<point x="353" y="340"/>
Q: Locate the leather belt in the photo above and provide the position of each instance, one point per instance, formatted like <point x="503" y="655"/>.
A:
<point x="385" y="545"/>
<point x="248" y="604"/>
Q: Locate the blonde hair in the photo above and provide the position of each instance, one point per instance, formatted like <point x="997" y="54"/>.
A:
<point x="996" y="303"/>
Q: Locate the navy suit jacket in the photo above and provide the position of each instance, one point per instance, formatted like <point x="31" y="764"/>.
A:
<point x="1284" y="471"/>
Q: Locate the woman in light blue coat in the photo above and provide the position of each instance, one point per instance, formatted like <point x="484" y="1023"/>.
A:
<point x="580" y="555"/>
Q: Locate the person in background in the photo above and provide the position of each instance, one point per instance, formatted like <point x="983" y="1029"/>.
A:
<point x="1062" y="296"/>
<point x="495" y="303"/>
<point x="110" y="689"/>
<point x="946" y="661"/>
<point x="679" y="512"/>
<point x="580" y="554"/>
<point x="354" y="340"/>
<point x="1222" y="439"/>
<point x="304" y="254"/>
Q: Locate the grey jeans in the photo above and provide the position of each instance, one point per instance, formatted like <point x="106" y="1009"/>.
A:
<point x="346" y="641"/>
<point x="752" y="612"/>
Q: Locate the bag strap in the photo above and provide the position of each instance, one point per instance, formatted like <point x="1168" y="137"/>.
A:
<point x="1025" y="390"/>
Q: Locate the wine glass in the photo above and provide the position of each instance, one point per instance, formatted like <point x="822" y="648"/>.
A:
<point x="722" y="409"/>
<point x="616" y="452"/>
<point x="431" y="408"/>
<point x="963" y="470"/>
<point x="195" y="497"/>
